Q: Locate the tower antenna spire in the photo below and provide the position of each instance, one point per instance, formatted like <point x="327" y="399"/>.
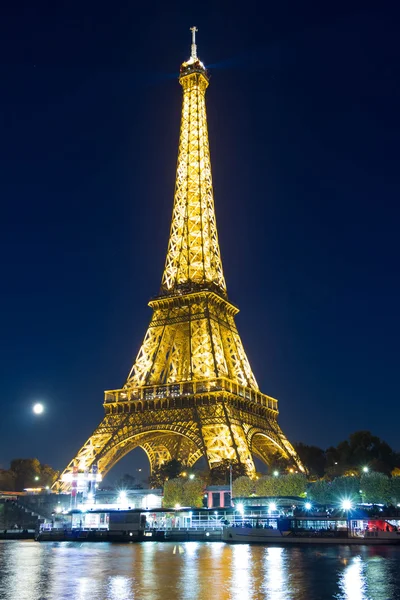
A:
<point x="194" y="47"/>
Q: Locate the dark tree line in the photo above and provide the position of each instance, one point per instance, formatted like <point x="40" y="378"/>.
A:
<point x="350" y="457"/>
<point x="26" y="473"/>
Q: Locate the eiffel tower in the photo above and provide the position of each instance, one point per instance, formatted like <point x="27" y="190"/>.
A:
<point x="191" y="392"/>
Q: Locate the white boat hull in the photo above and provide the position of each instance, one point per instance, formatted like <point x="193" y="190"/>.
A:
<point x="246" y="535"/>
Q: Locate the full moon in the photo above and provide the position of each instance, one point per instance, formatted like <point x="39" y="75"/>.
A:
<point x="38" y="408"/>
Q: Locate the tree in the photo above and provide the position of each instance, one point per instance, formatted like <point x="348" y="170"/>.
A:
<point x="313" y="459"/>
<point x="173" y="492"/>
<point x="220" y="474"/>
<point x="345" y="488"/>
<point x="192" y="493"/>
<point x="395" y="490"/>
<point x="243" y="487"/>
<point x="370" y="449"/>
<point x="268" y="486"/>
<point x="7" y="480"/>
<point x="126" y="482"/>
<point x="48" y="475"/>
<point x="169" y="470"/>
<point x="293" y="484"/>
<point x="26" y="472"/>
<point x="320" y="492"/>
<point x="375" y="488"/>
<point x="360" y="450"/>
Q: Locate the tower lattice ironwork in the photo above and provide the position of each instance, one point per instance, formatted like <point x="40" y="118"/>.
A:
<point x="191" y="391"/>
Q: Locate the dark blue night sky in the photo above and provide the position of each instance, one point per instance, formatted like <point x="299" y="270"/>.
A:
<point x="304" y="125"/>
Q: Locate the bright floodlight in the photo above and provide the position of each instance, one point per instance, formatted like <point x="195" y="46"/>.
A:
<point x="365" y="469"/>
<point x="177" y="506"/>
<point x="38" y="408"/>
<point x="272" y="506"/>
<point x="191" y="476"/>
<point x="240" y="508"/>
<point x="122" y="497"/>
<point x="308" y="505"/>
<point x="276" y="473"/>
<point x="346" y="505"/>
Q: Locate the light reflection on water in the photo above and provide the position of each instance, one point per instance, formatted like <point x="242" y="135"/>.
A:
<point x="275" y="582"/>
<point x="195" y="571"/>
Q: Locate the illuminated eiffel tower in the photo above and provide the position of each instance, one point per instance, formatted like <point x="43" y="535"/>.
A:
<point x="191" y="391"/>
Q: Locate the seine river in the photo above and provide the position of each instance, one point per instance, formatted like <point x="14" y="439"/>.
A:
<point x="196" y="571"/>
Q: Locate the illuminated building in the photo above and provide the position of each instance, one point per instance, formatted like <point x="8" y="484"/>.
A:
<point x="191" y="391"/>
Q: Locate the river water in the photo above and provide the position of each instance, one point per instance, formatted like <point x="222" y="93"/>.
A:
<point x="196" y="571"/>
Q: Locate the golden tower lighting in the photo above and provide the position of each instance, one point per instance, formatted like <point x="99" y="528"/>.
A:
<point x="191" y="391"/>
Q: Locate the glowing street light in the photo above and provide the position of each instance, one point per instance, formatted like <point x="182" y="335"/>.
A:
<point x="347" y="505"/>
<point x="276" y="473"/>
<point x="307" y="506"/>
<point x="191" y="476"/>
<point x="365" y="469"/>
<point x="122" y="497"/>
<point x="272" y="507"/>
<point x="38" y="408"/>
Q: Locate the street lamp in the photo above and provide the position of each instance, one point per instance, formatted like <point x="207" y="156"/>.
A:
<point x="347" y="505"/>
<point x="307" y="506"/>
<point x="122" y="497"/>
<point x="191" y="476"/>
<point x="365" y="469"/>
<point x="276" y="473"/>
<point x="38" y="408"/>
<point x="240" y="509"/>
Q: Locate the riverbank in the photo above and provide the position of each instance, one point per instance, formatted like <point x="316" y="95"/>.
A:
<point x="17" y="535"/>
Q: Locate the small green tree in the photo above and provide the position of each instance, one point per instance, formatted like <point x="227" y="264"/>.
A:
<point x="174" y="492"/>
<point x="268" y="486"/>
<point x="294" y="484"/>
<point x="395" y="490"/>
<point x="192" y="493"/>
<point x="345" y="488"/>
<point x="375" y="488"/>
<point x="320" y="492"/>
<point x="243" y="487"/>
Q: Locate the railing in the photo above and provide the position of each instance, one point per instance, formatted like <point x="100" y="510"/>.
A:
<point x="190" y="388"/>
